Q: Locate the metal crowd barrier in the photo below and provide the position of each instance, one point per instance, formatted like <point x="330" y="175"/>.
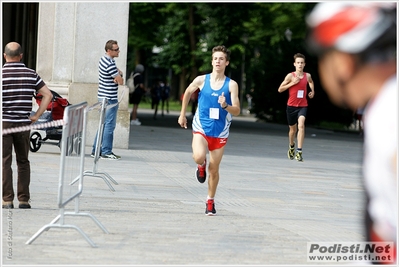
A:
<point x="95" y="173"/>
<point x="71" y="163"/>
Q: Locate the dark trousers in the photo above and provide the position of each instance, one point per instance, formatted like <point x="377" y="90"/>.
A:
<point x="165" y="101"/>
<point x="20" y="141"/>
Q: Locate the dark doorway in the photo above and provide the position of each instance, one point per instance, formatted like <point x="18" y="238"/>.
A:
<point x="20" y="23"/>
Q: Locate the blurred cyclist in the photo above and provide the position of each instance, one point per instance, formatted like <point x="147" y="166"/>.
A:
<point x="356" y="47"/>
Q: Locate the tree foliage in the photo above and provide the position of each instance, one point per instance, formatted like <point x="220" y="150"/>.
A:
<point x="261" y="57"/>
<point x="144" y="22"/>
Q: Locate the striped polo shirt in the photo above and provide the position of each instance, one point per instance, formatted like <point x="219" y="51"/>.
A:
<point x="19" y="85"/>
<point x="107" y="69"/>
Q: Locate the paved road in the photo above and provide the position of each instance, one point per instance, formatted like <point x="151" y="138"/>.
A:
<point x="268" y="207"/>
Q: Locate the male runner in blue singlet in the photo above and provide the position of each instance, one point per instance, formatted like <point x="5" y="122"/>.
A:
<point x="217" y="102"/>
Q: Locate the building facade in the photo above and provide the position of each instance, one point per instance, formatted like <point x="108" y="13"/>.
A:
<point x="63" y="42"/>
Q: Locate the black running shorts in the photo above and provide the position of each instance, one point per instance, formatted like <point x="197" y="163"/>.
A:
<point x="293" y="114"/>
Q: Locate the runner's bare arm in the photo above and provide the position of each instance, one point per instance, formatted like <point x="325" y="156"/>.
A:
<point x="311" y="85"/>
<point x="287" y="83"/>
<point x="235" y="108"/>
<point x="198" y="82"/>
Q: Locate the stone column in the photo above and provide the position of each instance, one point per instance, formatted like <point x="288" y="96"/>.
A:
<point x="71" y="41"/>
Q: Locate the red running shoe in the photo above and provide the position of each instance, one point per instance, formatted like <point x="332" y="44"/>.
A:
<point x="210" y="207"/>
<point x="200" y="173"/>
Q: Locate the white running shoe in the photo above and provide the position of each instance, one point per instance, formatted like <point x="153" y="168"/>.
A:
<point x="135" y="122"/>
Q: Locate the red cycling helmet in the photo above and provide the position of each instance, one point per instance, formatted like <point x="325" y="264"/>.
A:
<point x="368" y="29"/>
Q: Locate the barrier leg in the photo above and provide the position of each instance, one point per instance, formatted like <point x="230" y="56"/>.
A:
<point x="48" y="226"/>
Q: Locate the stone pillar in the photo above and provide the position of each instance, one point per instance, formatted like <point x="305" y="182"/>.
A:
<point x="71" y="41"/>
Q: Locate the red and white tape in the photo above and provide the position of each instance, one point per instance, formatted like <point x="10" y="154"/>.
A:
<point x="33" y="127"/>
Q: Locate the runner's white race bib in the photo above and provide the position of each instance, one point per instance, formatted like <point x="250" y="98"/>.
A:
<point x="214" y="113"/>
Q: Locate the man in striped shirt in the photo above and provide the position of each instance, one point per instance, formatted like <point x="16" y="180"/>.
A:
<point x="109" y="79"/>
<point x="19" y="85"/>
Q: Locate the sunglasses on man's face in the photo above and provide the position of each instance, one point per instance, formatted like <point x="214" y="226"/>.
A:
<point x="117" y="49"/>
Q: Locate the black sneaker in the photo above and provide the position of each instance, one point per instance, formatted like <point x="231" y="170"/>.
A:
<point x="24" y="205"/>
<point x="291" y="152"/>
<point x="92" y="154"/>
<point x="8" y="205"/>
<point x="298" y="156"/>
<point x="111" y="156"/>
<point x="200" y="173"/>
<point x="210" y="207"/>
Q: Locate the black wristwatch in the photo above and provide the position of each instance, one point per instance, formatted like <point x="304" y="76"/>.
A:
<point x="225" y="106"/>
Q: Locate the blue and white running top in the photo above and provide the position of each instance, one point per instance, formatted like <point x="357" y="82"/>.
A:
<point x="210" y="119"/>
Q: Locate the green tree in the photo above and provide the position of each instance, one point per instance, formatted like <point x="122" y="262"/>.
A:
<point x="179" y="34"/>
<point x="192" y="30"/>
<point x="144" y="22"/>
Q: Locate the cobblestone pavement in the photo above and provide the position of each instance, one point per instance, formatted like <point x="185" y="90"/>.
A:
<point x="268" y="207"/>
